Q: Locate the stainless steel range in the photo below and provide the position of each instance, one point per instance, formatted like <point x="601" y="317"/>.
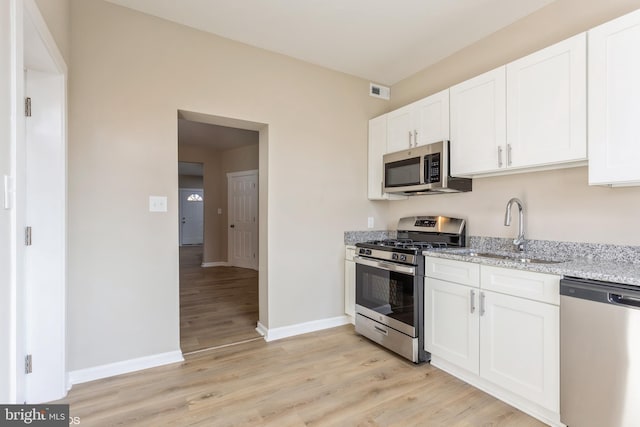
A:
<point x="390" y="282"/>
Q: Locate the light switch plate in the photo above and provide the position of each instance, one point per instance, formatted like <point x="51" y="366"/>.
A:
<point x="157" y="203"/>
<point x="370" y="222"/>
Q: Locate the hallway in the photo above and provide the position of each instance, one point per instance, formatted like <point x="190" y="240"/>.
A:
<point x="218" y="305"/>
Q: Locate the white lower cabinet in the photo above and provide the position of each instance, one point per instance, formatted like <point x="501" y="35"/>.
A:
<point x="499" y="332"/>
<point x="350" y="281"/>
<point x="519" y="347"/>
<point x="451" y="332"/>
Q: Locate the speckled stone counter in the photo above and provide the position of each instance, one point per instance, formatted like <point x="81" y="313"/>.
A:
<point x="620" y="264"/>
<point x="353" y="237"/>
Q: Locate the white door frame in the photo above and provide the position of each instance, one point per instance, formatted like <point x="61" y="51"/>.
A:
<point x="230" y="246"/>
<point x="32" y="45"/>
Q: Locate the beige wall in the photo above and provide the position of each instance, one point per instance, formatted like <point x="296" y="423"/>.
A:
<point x="217" y="163"/>
<point x="57" y="15"/>
<point x="559" y="204"/>
<point x="130" y="74"/>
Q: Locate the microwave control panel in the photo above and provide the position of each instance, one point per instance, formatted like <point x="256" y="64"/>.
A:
<point x="432" y="168"/>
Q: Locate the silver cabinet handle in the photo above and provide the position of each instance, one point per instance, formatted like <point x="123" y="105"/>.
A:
<point x="415" y="138"/>
<point x="499" y="156"/>
<point x="410" y="136"/>
<point x="473" y="301"/>
<point x="508" y="154"/>
<point x="481" y="303"/>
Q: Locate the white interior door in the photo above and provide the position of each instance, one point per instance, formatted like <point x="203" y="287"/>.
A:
<point x="191" y="216"/>
<point x="45" y="251"/>
<point x="243" y="219"/>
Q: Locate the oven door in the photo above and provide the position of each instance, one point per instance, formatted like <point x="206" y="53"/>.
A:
<point x="387" y="293"/>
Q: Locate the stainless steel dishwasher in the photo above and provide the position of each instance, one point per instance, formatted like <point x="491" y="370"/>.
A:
<point x="599" y="353"/>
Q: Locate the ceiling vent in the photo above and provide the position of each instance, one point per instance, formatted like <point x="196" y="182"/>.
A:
<point x="378" y="91"/>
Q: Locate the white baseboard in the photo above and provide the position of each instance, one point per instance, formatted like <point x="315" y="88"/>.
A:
<point x="123" y="367"/>
<point x="215" y="264"/>
<point x="301" y="328"/>
<point x="262" y="330"/>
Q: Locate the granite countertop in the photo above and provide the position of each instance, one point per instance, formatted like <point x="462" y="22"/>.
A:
<point x="596" y="261"/>
<point x="588" y="267"/>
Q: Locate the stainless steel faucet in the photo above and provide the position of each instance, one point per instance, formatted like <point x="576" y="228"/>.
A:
<point x="518" y="241"/>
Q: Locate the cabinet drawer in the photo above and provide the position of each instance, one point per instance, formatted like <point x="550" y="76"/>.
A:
<point x="534" y="286"/>
<point x="465" y="273"/>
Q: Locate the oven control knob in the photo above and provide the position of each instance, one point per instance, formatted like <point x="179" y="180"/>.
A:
<point x="403" y="257"/>
<point x="368" y="252"/>
<point x="394" y="257"/>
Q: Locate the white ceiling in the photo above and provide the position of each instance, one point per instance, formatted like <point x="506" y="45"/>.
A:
<point x="383" y="41"/>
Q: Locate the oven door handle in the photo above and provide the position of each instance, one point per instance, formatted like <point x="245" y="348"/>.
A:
<point x="384" y="265"/>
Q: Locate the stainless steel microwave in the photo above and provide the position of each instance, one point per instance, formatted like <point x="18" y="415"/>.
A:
<point x="422" y="170"/>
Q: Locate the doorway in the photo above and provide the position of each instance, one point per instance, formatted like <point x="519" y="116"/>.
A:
<point x="219" y="297"/>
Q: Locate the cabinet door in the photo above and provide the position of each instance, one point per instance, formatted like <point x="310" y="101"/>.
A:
<point x="377" y="148"/>
<point x="519" y="347"/>
<point x="350" y="282"/>
<point x="451" y="323"/>
<point x="547" y="105"/>
<point x="478" y="126"/>
<point x="431" y="118"/>
<point x="400" y="129"/>
<point x="614" y="101"/>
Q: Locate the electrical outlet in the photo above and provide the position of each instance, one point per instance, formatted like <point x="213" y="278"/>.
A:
<point x="370" y="222"/>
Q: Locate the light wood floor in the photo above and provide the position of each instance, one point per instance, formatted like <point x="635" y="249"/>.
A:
<point x="327" y="378"/>
<point x="218" y="305"/>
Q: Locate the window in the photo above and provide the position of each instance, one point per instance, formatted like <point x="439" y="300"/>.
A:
<point x="195" y="197"/>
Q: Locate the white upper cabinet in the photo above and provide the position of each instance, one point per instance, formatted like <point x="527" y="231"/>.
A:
<point x="547" y="106"/>
<point x="478" y="129"/>
<point x="530" y="113"/>
<point x="419" y="123"/>
<point x="376" y="149"/>
<point x="614" y="102"/>
<point x="400" y="129"/>
<point x="432" y="115"/>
